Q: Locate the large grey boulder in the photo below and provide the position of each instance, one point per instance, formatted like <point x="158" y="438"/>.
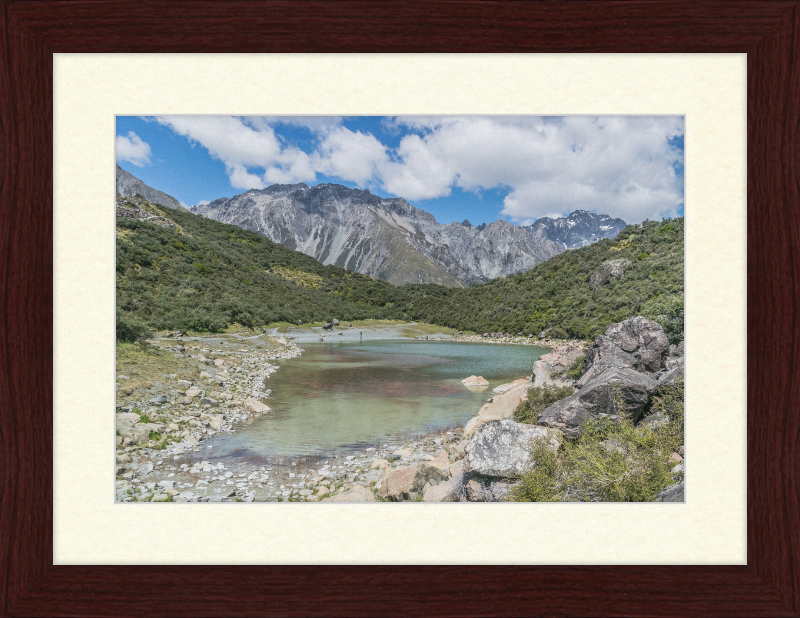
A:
<point x="612" y="269"/>
<point x="618" y="392"/>
<point x="501" y="448"/>
<point x="673" y="493"/>
<point x="673" y="370"/>
<point x="637" y="343"/>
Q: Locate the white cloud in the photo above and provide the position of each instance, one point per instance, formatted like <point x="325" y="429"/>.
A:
<point x="621" y="166"/>
<point x="618" y="166"/>
<point x="352" y="155"/>
<point x="202" y="203"/>
<point x="133" y="150"/>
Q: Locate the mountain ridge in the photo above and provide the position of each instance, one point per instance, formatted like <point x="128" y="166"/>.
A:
<point x="392" y="240"/>
<point x="128" y="186"/>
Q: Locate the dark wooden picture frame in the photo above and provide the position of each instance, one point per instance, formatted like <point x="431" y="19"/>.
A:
<point x="768" y="31"/>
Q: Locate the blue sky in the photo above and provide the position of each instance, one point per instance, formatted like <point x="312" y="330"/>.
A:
<point x="480" y="168"/>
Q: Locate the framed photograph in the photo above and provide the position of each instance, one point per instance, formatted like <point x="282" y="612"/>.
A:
<point x="71" y="537"/>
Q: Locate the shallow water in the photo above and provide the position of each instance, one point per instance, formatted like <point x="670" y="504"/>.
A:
<point x="344" y="396"/>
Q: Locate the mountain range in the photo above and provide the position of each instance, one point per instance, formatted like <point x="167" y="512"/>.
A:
<point x="389" y="239"/>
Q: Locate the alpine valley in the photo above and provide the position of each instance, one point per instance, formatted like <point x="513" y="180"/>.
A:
<point x="391" y="240"/>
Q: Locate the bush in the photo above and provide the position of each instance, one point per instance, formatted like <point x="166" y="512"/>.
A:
<point x="667" y="310"/>
<point x="539" y="398"/>
<point x="130" y="329"/>
<point x="575" y="370"/>
<point x="611" y="461"/>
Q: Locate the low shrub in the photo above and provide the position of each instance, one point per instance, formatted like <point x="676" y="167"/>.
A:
<point x="575" y="370"/>
<point x="611" y="461"/>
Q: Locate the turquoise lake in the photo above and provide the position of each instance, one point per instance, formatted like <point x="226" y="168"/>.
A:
<point x="341" y="397"/>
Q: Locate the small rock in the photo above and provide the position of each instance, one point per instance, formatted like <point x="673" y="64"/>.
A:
<point x="474" y="491"/>
<point x="475" y="381"/>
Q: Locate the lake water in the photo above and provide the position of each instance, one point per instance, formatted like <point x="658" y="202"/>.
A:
<point x="342" y="397"/>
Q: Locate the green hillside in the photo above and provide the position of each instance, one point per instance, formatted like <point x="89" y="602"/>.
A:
<point x="556" y="294"/>
<point x="204" y="275"/>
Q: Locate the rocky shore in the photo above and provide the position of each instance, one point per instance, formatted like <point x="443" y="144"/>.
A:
<point x="481" y="462"/>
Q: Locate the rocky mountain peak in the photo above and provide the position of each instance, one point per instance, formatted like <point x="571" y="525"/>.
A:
<point x="578" y="229"/>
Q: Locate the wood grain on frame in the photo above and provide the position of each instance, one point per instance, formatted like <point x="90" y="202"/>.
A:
<point x="768" y="31"/>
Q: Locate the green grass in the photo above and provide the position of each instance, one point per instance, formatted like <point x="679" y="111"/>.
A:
<point x="147" y="365"/>
<point x="610" y="462"/>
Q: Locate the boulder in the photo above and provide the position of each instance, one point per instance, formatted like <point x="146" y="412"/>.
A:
<point x="501" y="406"/>
<point x="673" y="370"/>
<point x="208" y="401"/>
<point x="612" y="269"/>
<point x="126" y="422"/>
<point x="637" y="343"/>
<point x="474" y="381"/>
<point x="547" y="367"/>
<point x="193" y="392"/>
<point x="256" y="406"/>
<point x="673" y="493"/>
<point x="507" y="387"/>
<point x="407" y="483"/>
<point x="356" y="494"/>
<point x="448" y="491"/>
<point x="612" y="394"/>
<point x="474" y="491"/>
<point x="440" y="461"/>
<point x="335" y="322"/>
<point x="185" y="400"/>
<point x="327" y="325"/>
<point x="501" y="448"/>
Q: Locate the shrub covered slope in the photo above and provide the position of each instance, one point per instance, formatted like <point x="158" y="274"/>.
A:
<point x="204" y="275"/>
<point x="207" y="275"/>
<point x="556" y="294"/>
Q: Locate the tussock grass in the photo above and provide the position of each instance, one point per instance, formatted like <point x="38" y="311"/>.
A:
<point x="610" y="462"/>
<point x="146" y="364"/>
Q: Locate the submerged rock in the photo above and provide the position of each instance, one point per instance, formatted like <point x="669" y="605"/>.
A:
<point x="475" y="381"/>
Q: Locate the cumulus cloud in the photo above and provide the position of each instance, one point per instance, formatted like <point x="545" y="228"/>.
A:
<point x="133" y="150"/>
<point x="624" y="167"/>
<point x="548" y="166"/>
